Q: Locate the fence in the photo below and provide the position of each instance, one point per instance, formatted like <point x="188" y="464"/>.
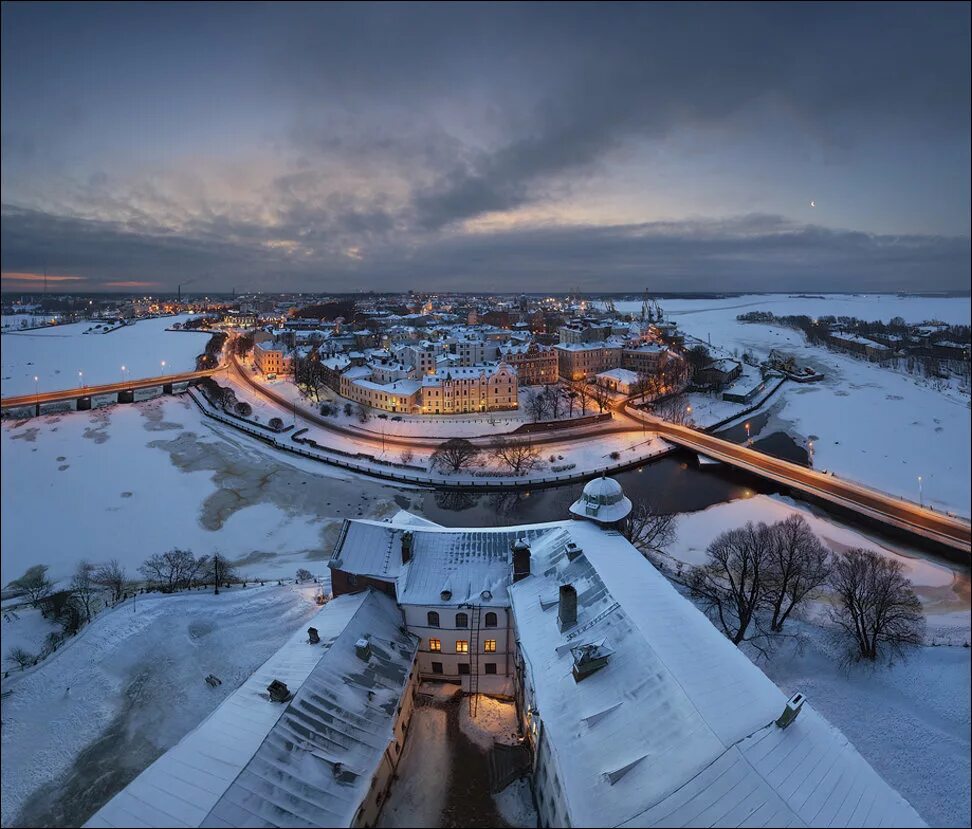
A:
<point x="438" y="481"/>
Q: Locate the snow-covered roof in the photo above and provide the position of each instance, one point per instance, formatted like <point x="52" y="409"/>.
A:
<point x="602" y="500"/>
<point x="678" y="727"/>
<point x="308" y="762"/>
<point x="623" y="375"/>
<point x="462" y="564"/>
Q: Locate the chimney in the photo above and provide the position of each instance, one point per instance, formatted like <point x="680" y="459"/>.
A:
<point x="312" y="636"/>
<point x="573" y="551"/>
<point x="567" y="612"/>
<point x="793" y="706"/>
<point x="406" y="546"/>
<point x="521" y="559"/>
<point x="278" y="691"/>
<point x="362" y="649"/>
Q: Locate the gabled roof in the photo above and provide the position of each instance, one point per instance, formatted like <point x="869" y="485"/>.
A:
<point x="308" y="762"/>
<point x="678" y="727"/>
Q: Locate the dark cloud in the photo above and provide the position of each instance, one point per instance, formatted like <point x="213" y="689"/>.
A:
<point x="747" y="253"/>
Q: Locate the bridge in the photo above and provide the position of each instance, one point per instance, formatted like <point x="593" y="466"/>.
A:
<point x="940" y="528"/>
<point x="84" y="394"/>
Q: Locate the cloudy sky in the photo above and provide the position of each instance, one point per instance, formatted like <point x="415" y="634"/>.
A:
<point x="486" y="147"/>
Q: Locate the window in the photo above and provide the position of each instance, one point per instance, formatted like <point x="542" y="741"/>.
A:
<point x="489" y="646"/>
<point x="490" y="667"/>
<point x="433" y="619"/>
<point x="435" y="645"/>
<point x="462" y="620"/>
<point x="437" y="667"/>
<point x="462" y="646"/>
<point x="490" y="620"/>
<point x="463" y="668"/>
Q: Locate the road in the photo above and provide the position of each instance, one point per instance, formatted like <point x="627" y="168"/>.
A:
<point x="953" y="532"/>
<point x="109" y="388"/>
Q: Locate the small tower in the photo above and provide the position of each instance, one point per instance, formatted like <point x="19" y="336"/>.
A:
<point x="603" y="501"/>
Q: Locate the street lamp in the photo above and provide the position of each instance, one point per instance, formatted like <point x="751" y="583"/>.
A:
<point x="810" y="453"/>
<point x="163" y="368"/>
<point x="747" y="433"/>
<point x="921" y="500"/>
<point x="81" y="379"/>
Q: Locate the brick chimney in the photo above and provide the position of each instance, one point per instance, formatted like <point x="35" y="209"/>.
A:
<point x="521" y="559"/>
<point x="406" y="546"/>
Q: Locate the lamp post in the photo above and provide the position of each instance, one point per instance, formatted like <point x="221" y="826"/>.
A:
<point x="80" y="379"/>
<point x="810" y="453"/>
<point x="747" y="433"/>
<point x="163" y="368"/>
<point x="921" y="498"/>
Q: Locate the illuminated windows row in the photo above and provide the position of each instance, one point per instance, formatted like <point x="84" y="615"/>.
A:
<point x="462" y="646"/>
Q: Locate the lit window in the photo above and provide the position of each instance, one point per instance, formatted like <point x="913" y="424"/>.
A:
<point x="489" y="646"/>
<point x="462" y="646"/>
<point x="435" y="644"/>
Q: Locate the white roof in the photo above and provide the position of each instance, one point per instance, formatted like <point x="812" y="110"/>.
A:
<point x="677" y="729"/>
<point x="602" y="500"/>
<point x="624" y="375"/>
<point x="463" y="563"/>
<point x="257" y="763"/>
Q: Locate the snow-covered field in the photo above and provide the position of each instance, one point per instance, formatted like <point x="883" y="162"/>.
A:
<point x="910" y="721"/>
<point x="56" y="355"/>
<point x="868" y="423"/>
<point x="84" y="722"/>
<point x="132" y="480"/>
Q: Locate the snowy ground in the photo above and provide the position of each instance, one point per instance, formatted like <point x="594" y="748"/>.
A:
<point x="594" y="453"/>
<point x="911" y="722"/>
<point x="78" y="727"/>
<point x="132" y="480"/>
<point x="868" y="423"/>
<point x="56" y="355"/>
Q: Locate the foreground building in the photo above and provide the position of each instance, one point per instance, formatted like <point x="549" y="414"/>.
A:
<point x="635" y="710"/>
<point x="324" y="757"/>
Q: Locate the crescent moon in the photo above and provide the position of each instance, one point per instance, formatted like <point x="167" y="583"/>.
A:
<point x="813" y="204"/>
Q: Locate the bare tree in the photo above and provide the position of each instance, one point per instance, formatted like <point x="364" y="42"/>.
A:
<point x="798" y="564"/>
<point x="111" y="576"/>
<point x="216" y="569"/>
<point x="304" y="575"/>
<point x="647" y="529"/>
<point x="20" y="657"/>
<point x="172" y="570"/>
<point x="453" y="455"/>
<point x="673" y="409"/>
<point x="83" y="587"/>
<point x="537" y="404"/>
<point x="520" y="456"/>
<point x="34" y="584"/>
<point x="556" y="401"/>
<point x="601" y="396"/>
<point x="875" y="609"/>
<point x="361" y="410"/>
<point x="407" y="455"/>
<point x="583" y="394"/>
<point x="730" y="584"/>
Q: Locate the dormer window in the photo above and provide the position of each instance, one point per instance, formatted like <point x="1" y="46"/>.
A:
<point x="462" y="620"/>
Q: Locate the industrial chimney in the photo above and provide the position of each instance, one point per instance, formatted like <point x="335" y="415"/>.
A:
<point x="406" y="546"/>
<point x="521" y="559"/>
<point x="567" y="611"/>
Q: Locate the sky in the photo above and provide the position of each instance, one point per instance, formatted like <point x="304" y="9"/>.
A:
<point x="486" y="147"/>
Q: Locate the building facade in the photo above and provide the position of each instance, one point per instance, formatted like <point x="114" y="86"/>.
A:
<point x="536" y="365"/>
<point x="271" y="358"/>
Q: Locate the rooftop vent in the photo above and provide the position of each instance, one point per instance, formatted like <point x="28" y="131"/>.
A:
<point x="589" y="658"/>
<point x="362" y="649"/>
<point x="486" y="595"/>
<point x="793" y="706"/>
<point x="278" y="691"/>
<point x="573" y="551"/>
<point x="312" y="636"/>
<point x="445" y="595"/>
<point x="337" y="768"/>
